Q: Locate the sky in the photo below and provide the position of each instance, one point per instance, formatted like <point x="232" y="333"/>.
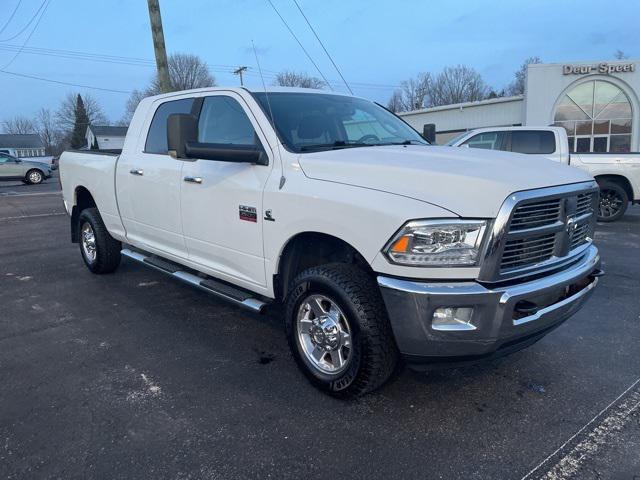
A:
<point x="375" y="43"/>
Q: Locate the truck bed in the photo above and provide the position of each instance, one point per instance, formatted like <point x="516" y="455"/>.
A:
<point x="95" y="171"/>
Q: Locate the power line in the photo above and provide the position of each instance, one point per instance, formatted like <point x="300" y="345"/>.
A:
<point x="33" y="77"/>
<point x="299" y="43"/>
<point x="35" y="27"/>
<point x="28" y="23"/>
<point x="323" y="47"/>
<point x="10" y="17"/>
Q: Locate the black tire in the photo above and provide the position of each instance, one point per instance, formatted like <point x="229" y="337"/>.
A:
<point x="613" y="201"/>
<point x="34" y="176"/>
<point x="106" y="249"/>
<point x="374" y="354"/>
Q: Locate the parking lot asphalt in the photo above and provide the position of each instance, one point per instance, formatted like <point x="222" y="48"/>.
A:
<point x="132" y="375"/>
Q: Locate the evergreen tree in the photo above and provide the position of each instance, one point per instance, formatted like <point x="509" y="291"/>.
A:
<point x="94" y="145"/>
<point x="80" y="125"/>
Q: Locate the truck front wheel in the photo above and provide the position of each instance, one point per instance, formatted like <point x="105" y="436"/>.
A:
<point x="100" y="251"/>
<point x="338" y="330"/>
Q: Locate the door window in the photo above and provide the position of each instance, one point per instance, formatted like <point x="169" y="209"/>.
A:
<point x="157" y="136"/>
<point x="533" y="141"/>
<point x="224" y="121"/>
<point x="487" y="140"/>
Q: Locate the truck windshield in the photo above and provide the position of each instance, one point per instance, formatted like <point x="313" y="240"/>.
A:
<point x="308" y="122"/>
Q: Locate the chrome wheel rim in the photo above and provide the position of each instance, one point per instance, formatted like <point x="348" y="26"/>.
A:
<point x="35" y="177"/>
<point x="324" y="334"/>
<point x="88" y="239"/>
<point x="610" y="203"/>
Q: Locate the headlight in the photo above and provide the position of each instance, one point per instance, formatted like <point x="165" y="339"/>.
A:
<point x="437" y="243"/>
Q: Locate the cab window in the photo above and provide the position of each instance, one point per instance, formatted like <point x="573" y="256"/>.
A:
<point x="224" y="121"/>
<point x="533" y="141"/>
<point x="488" y="141"/>
<point x="157" y="136"/>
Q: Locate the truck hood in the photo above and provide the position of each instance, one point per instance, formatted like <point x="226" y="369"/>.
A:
<point x="467" y="182"/>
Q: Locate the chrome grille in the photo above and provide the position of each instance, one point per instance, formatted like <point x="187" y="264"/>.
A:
<point x="525" y="251"/>
<point x="580" y="235"/>
<point x="536" y="214"/>
<point x="585" y="204"/>
<point x="537" y="230"/>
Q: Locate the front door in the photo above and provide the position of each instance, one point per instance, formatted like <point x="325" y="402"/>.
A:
<point x="148" y="183"/>
<point x="222" y="201"/>
<point x="10" y="168"/>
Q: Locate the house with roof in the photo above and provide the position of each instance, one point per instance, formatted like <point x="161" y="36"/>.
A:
<point x="22" y="145"/>
<point x="105" y="137"/>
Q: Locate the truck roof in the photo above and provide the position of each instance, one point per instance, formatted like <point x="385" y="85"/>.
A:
<point x="269" y="89"/>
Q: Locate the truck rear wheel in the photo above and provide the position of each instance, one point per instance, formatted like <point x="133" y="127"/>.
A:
<point x="338" y="330"/>
<point x="613" y="201"/>
<point x="100" y="251"/>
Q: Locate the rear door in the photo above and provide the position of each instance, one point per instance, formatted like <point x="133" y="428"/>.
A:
<point x="148" y="185"/>
<point x="222" y="201"/>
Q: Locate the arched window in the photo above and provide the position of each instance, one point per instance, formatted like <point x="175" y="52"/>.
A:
<point x="597" y="117"/>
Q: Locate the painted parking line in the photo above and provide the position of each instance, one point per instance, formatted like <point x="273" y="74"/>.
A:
<point x="39" y="215"/>
<point x="613" y="418"/>
<point x="16" y="194"/>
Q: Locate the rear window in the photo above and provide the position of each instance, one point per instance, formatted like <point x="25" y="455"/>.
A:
<point x="157" y="136"/>
<point x="533" y="141"/>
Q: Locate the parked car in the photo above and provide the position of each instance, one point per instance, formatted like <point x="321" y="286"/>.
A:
<point x="617" y="174"/>
<point x="12" y="168"/>
<point x="379" y="245"/>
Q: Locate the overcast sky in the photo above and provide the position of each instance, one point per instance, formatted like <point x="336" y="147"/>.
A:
<point x="376" y="43"/>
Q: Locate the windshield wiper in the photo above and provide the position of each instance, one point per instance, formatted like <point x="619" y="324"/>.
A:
<point x="406" y="142"/>
<point x="335" y="145"/>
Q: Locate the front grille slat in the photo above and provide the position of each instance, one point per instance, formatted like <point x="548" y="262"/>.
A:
<point x="545" y="242"/>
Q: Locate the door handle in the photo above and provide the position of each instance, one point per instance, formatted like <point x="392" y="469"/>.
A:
<point x="193" y="179"/>
<point x="136" y="171"/>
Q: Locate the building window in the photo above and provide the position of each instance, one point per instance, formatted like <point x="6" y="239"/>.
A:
<point x="597" y="116"/>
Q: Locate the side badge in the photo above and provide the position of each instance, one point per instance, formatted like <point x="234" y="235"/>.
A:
<point x="248" y="214"/>
<point x="268" y="215"/>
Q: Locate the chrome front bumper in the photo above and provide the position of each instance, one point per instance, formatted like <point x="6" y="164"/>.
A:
<point x="501" y="322"/>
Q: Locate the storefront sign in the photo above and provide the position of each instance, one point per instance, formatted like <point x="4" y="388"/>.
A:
<point x="598" y="68"/>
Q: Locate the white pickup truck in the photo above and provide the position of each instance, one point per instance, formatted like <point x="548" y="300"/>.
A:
<point x="380" y="246"/>
<point x="617" y="174"/>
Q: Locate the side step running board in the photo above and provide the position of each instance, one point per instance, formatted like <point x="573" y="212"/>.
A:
<point x="209" y="285"/>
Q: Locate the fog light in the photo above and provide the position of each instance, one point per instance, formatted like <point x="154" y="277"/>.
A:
<point x="452" y="319"/>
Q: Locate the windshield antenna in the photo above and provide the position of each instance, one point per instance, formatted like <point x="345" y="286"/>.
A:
<point x="273" y="122"/>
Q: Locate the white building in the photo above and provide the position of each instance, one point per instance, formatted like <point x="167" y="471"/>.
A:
<point x="597" y="102"/>
<point x="106" y="137"/>
<point x="22" y="145"/>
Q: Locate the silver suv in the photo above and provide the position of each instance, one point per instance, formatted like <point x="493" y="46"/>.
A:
<point x="12" y="168"/>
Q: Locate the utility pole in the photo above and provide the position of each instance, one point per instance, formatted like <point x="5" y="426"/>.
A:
<point x="240" y="71"/>
<point x="158" y="45"/>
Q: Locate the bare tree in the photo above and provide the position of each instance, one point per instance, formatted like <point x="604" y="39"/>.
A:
<point x="395" y="102"/>
<point x="413" y="94"/>
<point x="620" y="55"/>
<point x="18" y="125"/>
<point x="49" y="133"/>
<point x="457" y="85"/>
<point x="65" y="116"/>
<point x="517" y="86"/>
<point x="288" y="78"/>
<point x="186" y="71"/>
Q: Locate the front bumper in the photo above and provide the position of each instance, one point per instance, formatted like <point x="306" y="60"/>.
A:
<point x="502" y="323"/>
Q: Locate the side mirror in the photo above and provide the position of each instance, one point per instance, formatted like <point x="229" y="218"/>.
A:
<point x="227" y="152"/>
<point x="181" y="128"/>
<point x="429" y="132"/>
<point x="182" y="142"/>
